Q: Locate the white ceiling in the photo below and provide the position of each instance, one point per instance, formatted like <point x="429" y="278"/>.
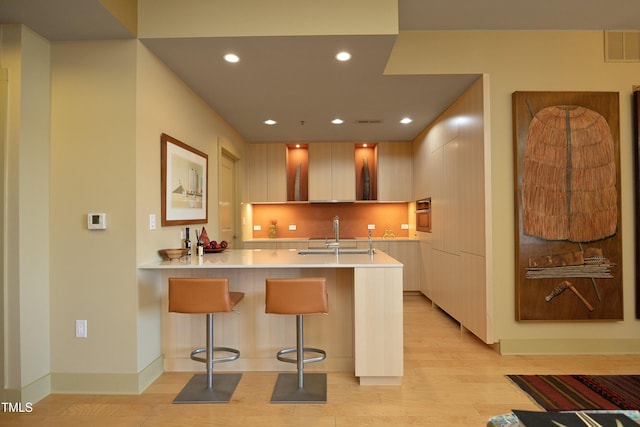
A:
<point x="295" y="80"/>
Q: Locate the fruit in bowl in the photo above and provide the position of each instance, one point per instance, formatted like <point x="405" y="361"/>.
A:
<point x="215" y="246"/>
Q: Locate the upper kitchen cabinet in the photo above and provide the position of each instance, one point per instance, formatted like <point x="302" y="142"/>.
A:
<point x="331" y="171"/>
<point x="394" y="171"/>
<point x="266" y="179"/>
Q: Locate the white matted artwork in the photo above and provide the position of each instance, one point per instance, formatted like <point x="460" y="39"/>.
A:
<point x="184" y="173"/>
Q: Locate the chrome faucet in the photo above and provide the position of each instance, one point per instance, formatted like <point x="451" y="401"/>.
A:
<point x="370" y="244"/>
<point x="336" y="234"/>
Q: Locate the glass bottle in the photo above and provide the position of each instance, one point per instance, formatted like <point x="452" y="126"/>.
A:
<point x="187" y="242"/>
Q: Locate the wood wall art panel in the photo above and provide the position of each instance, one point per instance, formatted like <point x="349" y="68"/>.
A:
<point x="567" y="206"/>
<point x="636" y="175"/>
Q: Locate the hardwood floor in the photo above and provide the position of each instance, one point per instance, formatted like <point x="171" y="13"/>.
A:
<point x="451" y="378"/>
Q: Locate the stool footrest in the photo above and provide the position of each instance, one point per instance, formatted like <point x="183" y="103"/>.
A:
<point x="235" y="354"/>
<point x="322" y="355"/>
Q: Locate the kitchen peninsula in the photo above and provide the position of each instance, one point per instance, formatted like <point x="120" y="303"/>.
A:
<point x="362" y="333"/>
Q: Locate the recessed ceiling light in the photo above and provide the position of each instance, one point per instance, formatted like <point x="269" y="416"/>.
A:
<point x="231" y="57"/>
<point x="406" y="120"/>
<point x="337" y="121"/>
<point x="270" y="122"/>
<point x="343" y="56"/>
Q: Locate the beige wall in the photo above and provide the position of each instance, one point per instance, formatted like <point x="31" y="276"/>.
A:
<point x="25" y="55"/>
<point x="111" y="101"/>
<point x="544" y="61"/>
<point x="166" y="104"/>
<point x="93" y="161"/>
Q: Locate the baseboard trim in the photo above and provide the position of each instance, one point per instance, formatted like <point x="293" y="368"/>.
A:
<point x="31" y="393"/>
<point x="569" y="346"/>
<point x="37" y="390"/>
<point x="152" y="372"/>
<point x="111" y="383"/>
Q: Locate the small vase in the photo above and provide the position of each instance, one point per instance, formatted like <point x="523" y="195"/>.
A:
<point x="296" y="185"/>
<point x="366" y="181"/>
<point x="272" y="231"/>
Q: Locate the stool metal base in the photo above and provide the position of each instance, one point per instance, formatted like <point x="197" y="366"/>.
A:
<point x="287" y="391"/>
<point x="196" y="390"/>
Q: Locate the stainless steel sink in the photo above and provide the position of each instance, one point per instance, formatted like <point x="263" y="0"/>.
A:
<point x="325" y="251"/>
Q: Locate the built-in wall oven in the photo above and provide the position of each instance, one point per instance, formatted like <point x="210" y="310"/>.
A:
<point x="423" y="215"/>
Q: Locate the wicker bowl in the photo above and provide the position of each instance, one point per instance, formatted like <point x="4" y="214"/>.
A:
<point x="172" y="253"/>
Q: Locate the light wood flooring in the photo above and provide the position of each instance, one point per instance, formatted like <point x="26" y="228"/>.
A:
<point x="451" y="378"/>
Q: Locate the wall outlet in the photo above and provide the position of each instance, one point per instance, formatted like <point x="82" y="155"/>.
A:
<point x="81" y="328"/>
<point x="371" y="227"/>
<point x="292" y="227"/>
<point x="152" y="222"/>
<point x="404" y="226"/>
<point x="257" y="228"/>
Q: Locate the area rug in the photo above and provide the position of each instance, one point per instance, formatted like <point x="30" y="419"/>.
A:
<point x="581" y="392"/>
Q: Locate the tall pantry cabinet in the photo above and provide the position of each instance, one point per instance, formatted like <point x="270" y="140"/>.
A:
<point x="449" y="164"/>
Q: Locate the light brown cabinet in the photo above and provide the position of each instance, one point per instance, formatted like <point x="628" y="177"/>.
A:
<point x="394" y="171"/>
<point x="266" y="179"/>
<point x="454" y="266"/>
<point x="405" y="251"/>
<point x="332" y="171"/>
<point x="425" y="269"/>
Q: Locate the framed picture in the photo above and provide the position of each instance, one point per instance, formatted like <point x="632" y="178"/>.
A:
<point x="567" y="206"/>
<point x="184" y="173"/>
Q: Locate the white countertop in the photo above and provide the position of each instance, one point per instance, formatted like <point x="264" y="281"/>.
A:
<point x="306" y="239"/>
<point x="275" y="258"/>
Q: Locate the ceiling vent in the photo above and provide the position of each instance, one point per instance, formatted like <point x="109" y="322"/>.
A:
<point x="368" y="122"/>
<point x="622" y="46"/>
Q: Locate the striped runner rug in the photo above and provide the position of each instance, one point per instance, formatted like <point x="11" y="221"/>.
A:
<point x="581" y="392"/>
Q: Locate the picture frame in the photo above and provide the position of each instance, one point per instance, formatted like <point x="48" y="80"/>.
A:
<point x="567" y="201"/>
<point x="184" y="183"/>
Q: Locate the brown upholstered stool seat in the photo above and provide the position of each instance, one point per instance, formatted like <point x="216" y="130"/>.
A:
<point x="206" y="296"/>
<point x="299" y="296"/>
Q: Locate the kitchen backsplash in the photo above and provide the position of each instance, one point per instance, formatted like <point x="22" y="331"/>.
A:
<point x="316" y="219"/>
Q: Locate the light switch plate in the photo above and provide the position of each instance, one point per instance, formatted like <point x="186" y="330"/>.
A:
<point x="292" y="227"/>
<point x="404" y="226"/>
<point x="371" y="227"/>
<point x="257" y="228"/>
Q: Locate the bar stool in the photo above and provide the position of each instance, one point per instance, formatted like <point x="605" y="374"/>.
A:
<point x="206" y="296"/>
<point x="298" y="296"/>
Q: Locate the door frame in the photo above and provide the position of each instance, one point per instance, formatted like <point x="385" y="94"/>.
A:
<point x="226" y="149"/>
